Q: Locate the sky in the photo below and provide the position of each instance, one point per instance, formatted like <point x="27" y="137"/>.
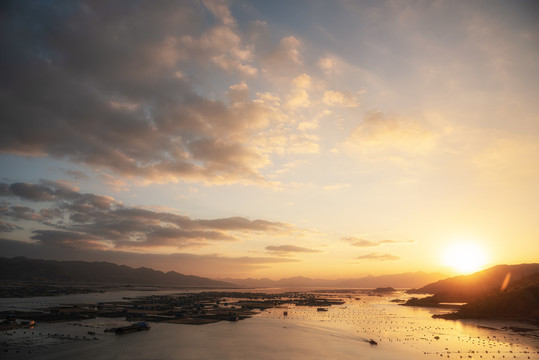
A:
<point x="328" y="139"/>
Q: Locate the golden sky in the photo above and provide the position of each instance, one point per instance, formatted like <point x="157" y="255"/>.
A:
<point x="270" y="139"/>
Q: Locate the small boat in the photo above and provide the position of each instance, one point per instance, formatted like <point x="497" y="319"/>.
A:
<point x="132" y="328"/>
<point x="372" y="342"/>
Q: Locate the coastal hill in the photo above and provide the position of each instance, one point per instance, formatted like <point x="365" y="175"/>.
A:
<point x="399" y="281"/>
<point x="49" y="271"/>
<point x="519" y="301"/>
<point x="466" y="288"/>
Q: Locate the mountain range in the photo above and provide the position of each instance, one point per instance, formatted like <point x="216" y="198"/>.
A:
<point x="403" y="281"/>
<point x="37" y="270"/>
<point x="82" y="272"/>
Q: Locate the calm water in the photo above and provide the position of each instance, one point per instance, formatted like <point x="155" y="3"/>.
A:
<point x="340" y="333"/>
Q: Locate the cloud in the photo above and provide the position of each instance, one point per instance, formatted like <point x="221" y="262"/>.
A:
<point x="358" y="242"/>
<point x="378" y="134"/>
<point x="31" y="192"/>
<point x="114" y="182"/>
<point x="337" y="98"/>
<point x="61" y="186"/>
<point x="157" y="92"/>
<point x="8" y="227"/>
<point x="299" y="96"/>
<point x="285" y="249"/>
<point x="376" y="256"/>
<point x="67" y="239"/>
<point x="243" y="224"/>
<point x="220" y="10"/>
<point x="238" y="93"/>
<point x="202" y="265"/>
<point x="222" y="46"/>
<point x="76" y="174"/>
<point x="18" y="212"/>
<point x="47" y="190"/>
<point x="85" y="220"/>
<point x="397" y="242"/>
<point x="108" y="96"/>
<point x="286" y="56"/>
<point x="327" y="64"/>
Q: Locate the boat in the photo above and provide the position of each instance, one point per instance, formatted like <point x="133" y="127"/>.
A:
<point x="132" y="328"/>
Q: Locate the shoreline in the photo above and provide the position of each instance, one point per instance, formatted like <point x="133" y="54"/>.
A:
<point x="343" y="330"/>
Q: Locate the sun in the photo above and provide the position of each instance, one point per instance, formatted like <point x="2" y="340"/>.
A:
<point x="465" y="257"/>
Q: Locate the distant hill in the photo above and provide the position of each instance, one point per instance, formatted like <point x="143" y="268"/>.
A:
<point x="402" y="281"/>
<point x="466" y="288"/>
<point x="519" y="301"/>
<point x="35" y="270"/>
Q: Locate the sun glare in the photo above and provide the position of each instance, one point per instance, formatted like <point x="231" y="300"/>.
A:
<point x="465" y="257"/>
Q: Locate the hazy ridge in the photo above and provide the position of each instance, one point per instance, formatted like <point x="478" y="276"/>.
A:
<point x="405" y="280"/>
<point x="36" y="270"/>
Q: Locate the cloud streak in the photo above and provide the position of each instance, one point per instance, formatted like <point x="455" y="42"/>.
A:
<point x="381" y="135"/>
<point x="202" y="265"/>
<point x="8" y="227"/>
<point x="378" y="257"/>
<point x="358" y="242"/>
<point x="288" y="249"/>
<point x="85" y="220"/>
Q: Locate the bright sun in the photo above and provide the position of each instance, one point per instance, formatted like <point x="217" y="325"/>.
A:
<point x="465" y="257"/>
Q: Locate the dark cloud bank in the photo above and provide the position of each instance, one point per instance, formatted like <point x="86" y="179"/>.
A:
<point x="74" y="225"/>
<point x="107" y="84"/>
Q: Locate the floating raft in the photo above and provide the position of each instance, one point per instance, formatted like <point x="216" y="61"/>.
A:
<point x="130" y="328"/>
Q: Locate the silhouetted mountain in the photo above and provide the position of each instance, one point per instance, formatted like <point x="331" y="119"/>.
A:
<point x="402" y="281"/>
<point x="35" y="270"/>
<point x="466" y="288"/>
<point x="406" y="280"/>
<point x="519" y="301"/>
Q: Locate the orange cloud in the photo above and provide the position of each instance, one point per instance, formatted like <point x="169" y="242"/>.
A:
<point x="379" y="257"/>
<point x="379" y="133"/>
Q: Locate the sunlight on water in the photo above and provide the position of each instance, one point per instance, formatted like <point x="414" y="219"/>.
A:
<point x="341" y="332"/>
<point x="386" y="322"/>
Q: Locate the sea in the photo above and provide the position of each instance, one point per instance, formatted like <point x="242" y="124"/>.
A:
<point x="342" y="332"/>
